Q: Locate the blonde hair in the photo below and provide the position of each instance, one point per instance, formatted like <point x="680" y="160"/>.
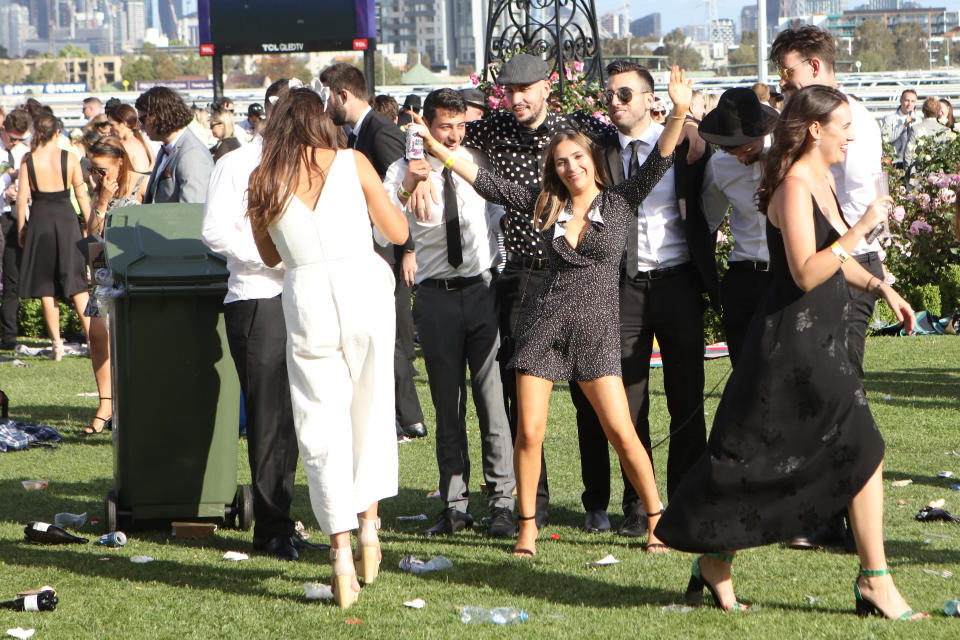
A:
<point x="227" y="119"/>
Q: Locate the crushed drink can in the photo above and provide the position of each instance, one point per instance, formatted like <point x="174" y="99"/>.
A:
<point x="414" y="142"/>
<point x="113" y="539"/>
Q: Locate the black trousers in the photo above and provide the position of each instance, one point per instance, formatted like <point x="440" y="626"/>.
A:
<point x="408" y="409"/>
<point x="11" y="255"/>
<point x="458" y="329"/>
<point x="516" y="286"/>
<point x="258" y="343"/>
<point x="862" y="305"/>
<point x="672" y="308"/>
<point x="741" y="291"/>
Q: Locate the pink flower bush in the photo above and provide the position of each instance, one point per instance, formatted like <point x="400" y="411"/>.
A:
<point x="494" y="102"/>
<point x="920" y="226"/>
<point x="899" y="213"/>
<point x="947" y="196"/>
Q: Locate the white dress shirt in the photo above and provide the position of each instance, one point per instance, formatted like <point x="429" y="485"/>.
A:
<point x="15" y="154"/>
<point x="170" y="146"/>
<point x="560" y="226"/>
<point x="855" y="175"/>
<point x="226" y="228"/>
<point x="355" y="130"/>
<point x="729" y="183"/>
<point x="661" y="240"/>
<point x="479" y="221"/>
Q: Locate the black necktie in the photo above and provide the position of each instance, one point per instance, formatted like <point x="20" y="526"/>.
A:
<point x="451" y="219"/>
<point x="632" y="264"/>
<point x="351" y="140"/>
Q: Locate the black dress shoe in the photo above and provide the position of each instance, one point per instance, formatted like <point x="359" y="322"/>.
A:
<point x="450" y="521"/>
<point x="803" y="543"/>
<point x="415" y="430"/>
<point x="281" y="548"/>
<point x="501" y="523"/>
<point x="634" y="525"/>
<point x="596" y="521"/>
<point x="300" y="543"/>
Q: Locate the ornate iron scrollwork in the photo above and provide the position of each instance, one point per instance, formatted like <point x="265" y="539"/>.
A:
<point x="561" y="31"/>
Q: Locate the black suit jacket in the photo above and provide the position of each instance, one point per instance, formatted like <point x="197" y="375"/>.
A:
<point x="383" y="143"/>
<point x="688" y="179"/>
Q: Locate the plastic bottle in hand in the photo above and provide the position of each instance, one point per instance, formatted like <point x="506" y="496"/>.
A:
<point x="500" y="615"/>
<point x="43" y="601"/>
<point x="46" y="533"/>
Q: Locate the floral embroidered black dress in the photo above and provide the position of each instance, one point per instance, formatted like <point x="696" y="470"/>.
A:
<point x="793" y="439"/>
<point x="571" y="329"/>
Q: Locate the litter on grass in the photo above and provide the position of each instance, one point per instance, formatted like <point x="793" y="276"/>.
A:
<point x="419" y="516"/>
<point x="937" y="504"/>
<point x="35" y="485"/>
<point x="901" y="483"/>
<point x="605" y="560"/>
<point x="945" y="474"/>
<point x="676" y="608"/>
<point x="141" y="559"/>
<point x="433" y="494"/>
<point x="317" y="591"/>
<point x="940" y="574"/>
<point x="70" y="520"/>
<point x="20" y="632"/>
<point x="236" y="556"/>
<point x="413" y="564"/>
<point x="811" y="600"/>
<point x="416" y="603"/>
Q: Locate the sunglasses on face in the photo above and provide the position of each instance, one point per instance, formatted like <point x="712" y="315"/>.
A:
<point x="786" y="73"/>
<point x="103" y="125"/>
<point x="16" y="139"/>
<point x="624" y="95"/>
<point x="658" y="112"/>
<point x="100" y="171"/>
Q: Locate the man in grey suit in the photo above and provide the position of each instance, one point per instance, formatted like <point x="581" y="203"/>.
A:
<point x="182" y="168"/>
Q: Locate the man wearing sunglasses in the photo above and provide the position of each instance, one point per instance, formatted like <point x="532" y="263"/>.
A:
<point x="13" y="137"/>
<point x="668" y="265"/>
<point x="805" y="56"/>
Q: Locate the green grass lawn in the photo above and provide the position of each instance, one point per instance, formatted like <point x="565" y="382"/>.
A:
<point x="914" y="388"/>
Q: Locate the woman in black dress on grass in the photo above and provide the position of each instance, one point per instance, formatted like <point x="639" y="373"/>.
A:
<point x="571" y="329"/>
<point x="52" y="264"/>
<point x="794" y="442"/>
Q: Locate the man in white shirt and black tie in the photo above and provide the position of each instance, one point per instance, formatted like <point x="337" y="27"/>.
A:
<point x="739" y="126"/>
<point x="455" y="312"/>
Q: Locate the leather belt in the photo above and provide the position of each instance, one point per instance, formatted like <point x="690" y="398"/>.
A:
<point x="658" y="274"/>
<point x="451" y="284"/>
<point x="865" y="258"/>
<point x="524" y="262"/>
<point x="748" y="265"/>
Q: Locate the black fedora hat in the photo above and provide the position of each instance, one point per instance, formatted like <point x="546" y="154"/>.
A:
<point x="739" y="118"/>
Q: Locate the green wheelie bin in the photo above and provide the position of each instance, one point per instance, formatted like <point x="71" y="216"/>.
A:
<point x="176" y="396"/>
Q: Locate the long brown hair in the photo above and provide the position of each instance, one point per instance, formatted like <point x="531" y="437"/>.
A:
<point x="296" y="127"/>
<point x="112" y="147"/>
<point x="814" y="103"/>
<point x="554" y="194"/>
<point x="127" y="115"/>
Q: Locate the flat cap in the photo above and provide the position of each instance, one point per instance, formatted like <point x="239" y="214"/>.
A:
<point x="523" y="69"/>
<point x="474" y="97"/>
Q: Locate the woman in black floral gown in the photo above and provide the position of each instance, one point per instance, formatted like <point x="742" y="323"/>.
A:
<point x="793" y="441"/>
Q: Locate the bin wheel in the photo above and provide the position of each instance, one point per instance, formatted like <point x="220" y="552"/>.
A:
<point x="110" y="512"/>
<point x="242" y="512"/>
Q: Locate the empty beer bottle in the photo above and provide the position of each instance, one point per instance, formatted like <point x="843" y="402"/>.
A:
<point x="43" y="601"/>
<point x="46" y="533"/>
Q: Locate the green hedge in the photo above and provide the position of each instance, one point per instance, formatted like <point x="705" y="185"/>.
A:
<point x="33" y="326"/>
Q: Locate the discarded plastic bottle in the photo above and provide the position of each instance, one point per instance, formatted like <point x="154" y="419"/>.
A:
<point x="412" y="564"/>
<point x="46" y="533"/>
<point x="43" y="601"/>
<point x="500" y="615"/>
<point x="950" y="607"/>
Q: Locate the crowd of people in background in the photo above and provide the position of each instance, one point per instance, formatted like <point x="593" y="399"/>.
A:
<point x="544" y="247"/>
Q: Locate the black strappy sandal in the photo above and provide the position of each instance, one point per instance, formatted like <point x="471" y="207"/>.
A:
<point x="520" y="552"/>
<point x="107" y="424"/>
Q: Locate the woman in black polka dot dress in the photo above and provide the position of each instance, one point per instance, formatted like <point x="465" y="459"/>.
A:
<point x="571" y="330"/>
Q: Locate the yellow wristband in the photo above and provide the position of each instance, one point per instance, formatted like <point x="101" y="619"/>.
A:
<point x="839" y="251"/>
<point x="404" y="193"/>
<point x="449" y="163"/>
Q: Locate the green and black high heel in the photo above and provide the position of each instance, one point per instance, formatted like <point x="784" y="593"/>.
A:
<point x="865" y="607"/>
<point x="694" y="594"/>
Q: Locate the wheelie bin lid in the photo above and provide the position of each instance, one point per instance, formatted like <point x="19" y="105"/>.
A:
<point x="157" y="247"/>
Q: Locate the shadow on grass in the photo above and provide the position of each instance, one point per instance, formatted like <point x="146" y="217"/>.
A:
<point x="932" y="481"/>
<point x="940" y="385"/>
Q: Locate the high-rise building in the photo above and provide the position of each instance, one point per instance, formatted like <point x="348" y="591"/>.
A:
<point x="648" y="25"/>
<point x="723" y="32"/>
<point x="133" y="23"/>
<point x="748" y="18"/>
<point x="451" y="33"/>
<point x="613" y="25"/>
<point x="15" y="28"/>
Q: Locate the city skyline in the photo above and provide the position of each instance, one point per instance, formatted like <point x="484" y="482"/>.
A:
<point x="687" y="12"/>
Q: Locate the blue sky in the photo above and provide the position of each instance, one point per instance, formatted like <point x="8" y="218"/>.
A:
<point x="681" y="12"/>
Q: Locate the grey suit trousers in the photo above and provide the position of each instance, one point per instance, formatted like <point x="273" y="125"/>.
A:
<point x="458" y="328"/>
